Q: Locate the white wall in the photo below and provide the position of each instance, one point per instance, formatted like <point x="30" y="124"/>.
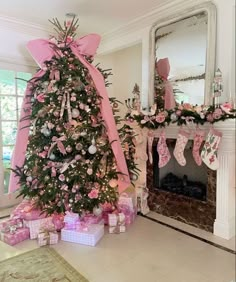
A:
<point x="126" y="67"/>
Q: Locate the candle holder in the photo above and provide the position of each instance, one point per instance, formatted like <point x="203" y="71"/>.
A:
<point x="217" y="88"/>
<point x="134" y="104"/>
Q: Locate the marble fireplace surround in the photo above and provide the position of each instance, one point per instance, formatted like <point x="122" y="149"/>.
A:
<point x="224" y="224"/>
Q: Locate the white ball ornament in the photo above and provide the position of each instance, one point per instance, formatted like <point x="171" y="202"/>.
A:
<point x="52" y="157"/>
<point x="97" y="211"/>
<point x="75" y="113"/>
<point x="92" y="149"/>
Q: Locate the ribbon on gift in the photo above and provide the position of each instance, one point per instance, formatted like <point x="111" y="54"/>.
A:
<point x="58" y="141"/>
<point x="81" y="226"/>
<point x="42" y="51"/>
<point x="12" y="227"/>
<point x="163" y="70"/>
<point x="46" y="229"/>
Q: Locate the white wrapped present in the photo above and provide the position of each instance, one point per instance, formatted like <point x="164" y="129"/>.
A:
<point x="86" y="236"/>
<point x="117" y="229"/>
<point x="71" y="217"/>
<point x="34" y="225"/>
<point x="116" y="219"/>
<point x="47" y="235"/>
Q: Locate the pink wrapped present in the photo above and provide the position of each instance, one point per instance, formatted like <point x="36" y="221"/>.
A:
<point x="93" y="219"/>
<point x="13" y="232"/>
<point x="27" y="211"/>
<point x="89" y="237"/>
<point x="116" y="223"/>
<point x="129" y="213"/>
<point x="47" y="235"/>
<point x="128" y="199"/>
<point x="34" y="225"/>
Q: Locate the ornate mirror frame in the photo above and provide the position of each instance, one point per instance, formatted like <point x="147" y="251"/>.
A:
<point x="210" y="9"/>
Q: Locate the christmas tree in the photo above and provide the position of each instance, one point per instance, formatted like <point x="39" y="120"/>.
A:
<point x="74" y="159"/>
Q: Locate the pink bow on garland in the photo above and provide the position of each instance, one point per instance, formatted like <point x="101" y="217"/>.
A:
<point x="41" y="51"/>
<point x="163" y="69"/>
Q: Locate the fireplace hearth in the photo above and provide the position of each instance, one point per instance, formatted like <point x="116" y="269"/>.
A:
<point x="187" y="194"/>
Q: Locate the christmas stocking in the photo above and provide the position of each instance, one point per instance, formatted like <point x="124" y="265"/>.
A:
<point x="150" y="141"/>
<point x="210" y="148"/>
<point x="163" y="151"/>
<point x="198" y="138"/>
<point x="181" y="142"/>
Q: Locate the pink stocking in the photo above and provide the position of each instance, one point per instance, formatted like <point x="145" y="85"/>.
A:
<point x="163" y="151"/>
<point x="181" y="142"/>
<point x="198" y="138"/>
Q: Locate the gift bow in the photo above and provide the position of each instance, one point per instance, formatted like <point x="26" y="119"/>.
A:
<point x="163" y="69"/>
<point x="58" y="141"/>
<point x="41" y="51"/>
<point x="12" y="227"/>
<point x="46" y="230"/>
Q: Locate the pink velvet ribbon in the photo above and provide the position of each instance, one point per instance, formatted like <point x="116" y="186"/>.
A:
<point x="41" y="51"/>
<point x="163" y="70"/>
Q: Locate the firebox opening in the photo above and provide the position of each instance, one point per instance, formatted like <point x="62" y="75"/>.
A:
<point x="189" y="180"/>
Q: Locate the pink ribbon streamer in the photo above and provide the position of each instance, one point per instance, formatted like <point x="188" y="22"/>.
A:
<point x="163" y="69"/>
<point x="41" y="51"/>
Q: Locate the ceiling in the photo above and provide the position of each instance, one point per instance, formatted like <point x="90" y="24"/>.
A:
<point x="98" y="16"/>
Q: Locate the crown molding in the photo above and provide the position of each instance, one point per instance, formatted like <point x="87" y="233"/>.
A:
<point x="23" y="26"/>
<point x="132" y="32"/>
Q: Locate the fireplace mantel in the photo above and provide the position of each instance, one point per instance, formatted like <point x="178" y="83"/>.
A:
<point x="224" y="225"/>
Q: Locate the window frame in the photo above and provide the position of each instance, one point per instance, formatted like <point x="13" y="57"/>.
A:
<point x="9" y="199"/>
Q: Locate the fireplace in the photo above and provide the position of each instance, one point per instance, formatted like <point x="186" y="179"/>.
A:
<point x="220" y="190"/>
<point x="187" y="194"/>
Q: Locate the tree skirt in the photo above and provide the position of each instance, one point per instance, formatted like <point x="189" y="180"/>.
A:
<point x="40" y="265"/>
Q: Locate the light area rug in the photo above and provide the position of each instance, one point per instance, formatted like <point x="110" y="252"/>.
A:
<point x="40" y="265"/>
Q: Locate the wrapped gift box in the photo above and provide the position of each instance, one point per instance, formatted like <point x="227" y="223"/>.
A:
<point x="89" y="236"/>
<point x="116" y="219"/>
<point x="128" y="199"/>
<point x="129" y="213"/>
<point x="47" y="236"/>
<point x="34" y="225"/>
<point x="117" y="229"/>
<point x="93" y="219"/>
<point x="13" y="232"/>
<point x="26" y="210"/>
<point x="70" y="220"/>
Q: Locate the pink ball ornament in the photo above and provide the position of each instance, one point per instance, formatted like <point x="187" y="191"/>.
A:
<point x="113" y="183"/>
<point x="69" y="149"/>
<point x="89" y="171"/>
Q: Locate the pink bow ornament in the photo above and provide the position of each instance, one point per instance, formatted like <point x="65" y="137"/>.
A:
<point x="58" y="141"/>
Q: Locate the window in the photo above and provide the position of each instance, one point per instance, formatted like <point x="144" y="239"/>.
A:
<point x="12" y="88"/>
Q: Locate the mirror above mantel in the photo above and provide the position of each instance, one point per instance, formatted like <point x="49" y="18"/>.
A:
<point x="188" y="42"/>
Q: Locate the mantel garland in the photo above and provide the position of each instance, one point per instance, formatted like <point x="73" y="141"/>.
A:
<point x="183" y="114"/>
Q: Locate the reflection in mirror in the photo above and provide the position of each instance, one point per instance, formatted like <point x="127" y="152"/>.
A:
<point x="184" y="44"/>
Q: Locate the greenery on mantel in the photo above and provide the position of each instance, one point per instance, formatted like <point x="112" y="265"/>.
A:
<point x="183" y="114"/>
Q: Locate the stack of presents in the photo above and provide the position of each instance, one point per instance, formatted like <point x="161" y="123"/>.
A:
<point x="26" y="222"/>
